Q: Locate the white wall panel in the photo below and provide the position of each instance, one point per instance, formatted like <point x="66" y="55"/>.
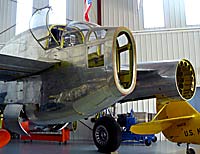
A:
<point x="7" y="19"/>
<point x="174" y="13"/>
<point x="123" y="13"/>
<point x="37" y="4"/>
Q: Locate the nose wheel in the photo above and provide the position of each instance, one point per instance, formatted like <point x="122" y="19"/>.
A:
<point x="189" y="150"/>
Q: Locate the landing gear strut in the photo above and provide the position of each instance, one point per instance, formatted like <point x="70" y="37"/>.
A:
<point x="107" y="134"/>
<point x="189" y="150"/>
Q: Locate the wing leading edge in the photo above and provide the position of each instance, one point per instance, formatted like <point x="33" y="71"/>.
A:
<point x="156" y="126"/>
<point x="170" y="114"/>
<point x="13" y="68"/>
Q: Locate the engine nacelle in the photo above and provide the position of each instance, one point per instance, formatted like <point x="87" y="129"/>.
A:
<point x="165" y="79"/>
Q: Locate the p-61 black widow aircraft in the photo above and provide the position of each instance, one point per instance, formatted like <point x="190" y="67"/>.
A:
<point x="78" y="70"/>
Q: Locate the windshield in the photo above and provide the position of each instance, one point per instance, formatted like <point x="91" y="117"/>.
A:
<point x="51" y="36"/>
<point x="38" y="23"/>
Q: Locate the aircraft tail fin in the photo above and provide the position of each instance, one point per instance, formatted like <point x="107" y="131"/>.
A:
<point x="170" y="113"/>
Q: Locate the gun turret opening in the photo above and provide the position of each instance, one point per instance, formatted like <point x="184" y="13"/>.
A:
<point x="185" y="78"/>
<point x="124" y="60"/>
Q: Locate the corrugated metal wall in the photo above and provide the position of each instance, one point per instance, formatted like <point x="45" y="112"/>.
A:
<point x="123" y="13"/>
<point x="7" y="19"/>
<point x="130" y="14"/>
<point x="40" y="4"/>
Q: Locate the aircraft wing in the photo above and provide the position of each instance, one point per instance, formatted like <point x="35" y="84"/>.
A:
<point x="13" y="68"/>
<point x="156" y="126"/>
<point x="143" y="76"/>
<point x="145" y="73"/>
<point x="170" y="114"/>
<point x="164" y="79"/>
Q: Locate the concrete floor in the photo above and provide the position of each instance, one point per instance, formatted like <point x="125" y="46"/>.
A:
<point x="77" y="147"/>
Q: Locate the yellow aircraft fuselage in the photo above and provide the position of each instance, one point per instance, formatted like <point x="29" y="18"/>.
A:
<point x="185" y="132"/>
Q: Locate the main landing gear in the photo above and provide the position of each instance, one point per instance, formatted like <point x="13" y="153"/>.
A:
<point x="107" y="134"/>
<point x="189" y="150"/>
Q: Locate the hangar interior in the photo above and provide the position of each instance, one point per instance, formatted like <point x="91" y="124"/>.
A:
<point x="170" y="32"/>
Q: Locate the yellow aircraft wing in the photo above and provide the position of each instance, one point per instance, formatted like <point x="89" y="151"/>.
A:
<point x="168" y="114"/>
<point x="156" y="126"/>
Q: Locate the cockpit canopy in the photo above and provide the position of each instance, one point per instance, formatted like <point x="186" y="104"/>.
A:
<point x="51" y="36"/>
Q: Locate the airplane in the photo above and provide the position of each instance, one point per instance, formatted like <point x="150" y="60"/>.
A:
<point x="73" y="71"/>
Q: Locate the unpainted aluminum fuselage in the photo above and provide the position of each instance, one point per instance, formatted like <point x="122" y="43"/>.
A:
<point x="74" y="87"/>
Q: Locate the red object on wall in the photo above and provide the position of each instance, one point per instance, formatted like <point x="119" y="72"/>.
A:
<point x="60" y="136"/>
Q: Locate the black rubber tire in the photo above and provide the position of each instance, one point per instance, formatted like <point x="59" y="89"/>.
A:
<point x="147" y="142"/>
<point x="154" y="139"/>
<point x="107" y="134"/>
<point x="190" y="151"/>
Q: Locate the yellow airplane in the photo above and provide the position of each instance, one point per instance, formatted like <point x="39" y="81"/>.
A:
<point x="178" y="121"/>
